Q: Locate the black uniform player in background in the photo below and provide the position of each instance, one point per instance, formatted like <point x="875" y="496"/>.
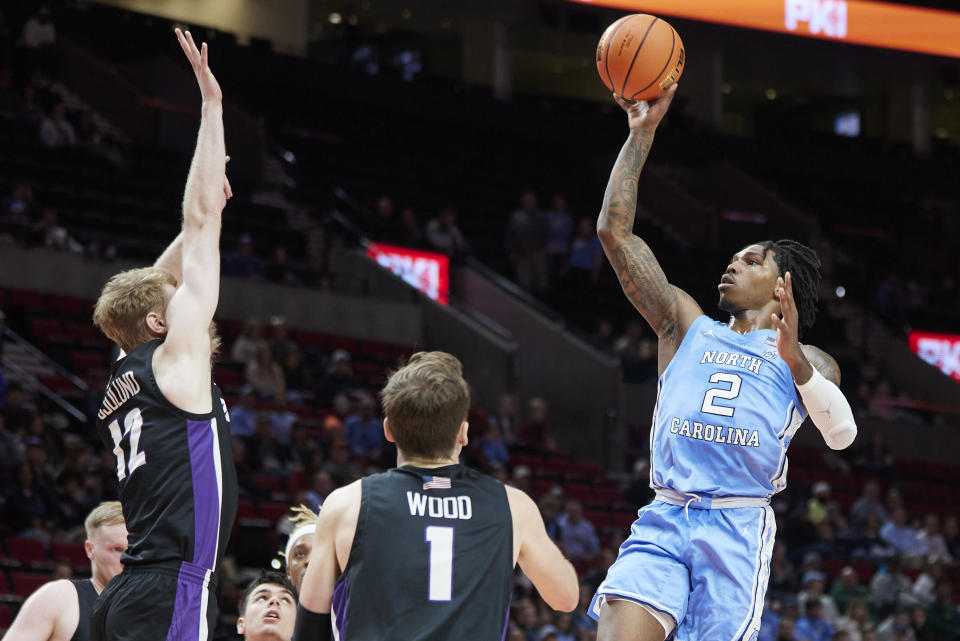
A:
<point x="426" y="550"/>
<point x="163" y="417"/>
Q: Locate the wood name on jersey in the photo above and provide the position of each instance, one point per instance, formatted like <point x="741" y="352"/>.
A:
<point x="448" y="507"/>
<point x="119" y="391"/>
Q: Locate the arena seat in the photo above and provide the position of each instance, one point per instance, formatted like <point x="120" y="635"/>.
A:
<point x="26" y="583"/>
<point x="26" y="552"/>
<point x="74" y="552"/>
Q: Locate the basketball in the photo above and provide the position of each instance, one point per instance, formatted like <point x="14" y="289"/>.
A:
<point x="639" y="56"/>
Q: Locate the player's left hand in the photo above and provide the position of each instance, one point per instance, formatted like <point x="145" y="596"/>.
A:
<point x="227" y="190"/>
<point x="788" y="323"/>
<point x="209" y="87"/>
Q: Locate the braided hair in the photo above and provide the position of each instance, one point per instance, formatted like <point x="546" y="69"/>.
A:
<point x="803" y="263"/>
<point x="302" y="515"/>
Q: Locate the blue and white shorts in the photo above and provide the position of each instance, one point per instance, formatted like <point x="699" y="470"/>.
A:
<point x="707" y="568"/>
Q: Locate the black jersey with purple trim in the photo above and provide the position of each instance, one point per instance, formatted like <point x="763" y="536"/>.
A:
<point x="178" y="482"/>
<point x="432" y="558"/>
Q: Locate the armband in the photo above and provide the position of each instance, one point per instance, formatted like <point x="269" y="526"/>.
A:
<point x="829" y="410"/>
<point x="311" y="626"/>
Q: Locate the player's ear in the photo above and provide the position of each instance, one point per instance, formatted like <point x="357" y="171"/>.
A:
<point x="88" y="548"/>
<point x="462" y="438"/>
<point x="387" y="434"/>
<point x="156" y="323"/>
<point x="241" y="626"/>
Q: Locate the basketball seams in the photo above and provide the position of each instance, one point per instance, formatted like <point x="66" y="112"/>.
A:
<point x="626" y="76"/>
<point x="606" y="54"/>
<point x="673" y="46"/>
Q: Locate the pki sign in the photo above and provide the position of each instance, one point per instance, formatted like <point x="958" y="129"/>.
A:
<point x="940" y="350"/>
<point x="427" y="271"/>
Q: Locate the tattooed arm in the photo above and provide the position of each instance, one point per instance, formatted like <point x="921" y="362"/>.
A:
<point x="667" y="309"/>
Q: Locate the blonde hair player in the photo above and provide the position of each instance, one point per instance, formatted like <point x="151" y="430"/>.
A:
<point x="60" y="610"/>
<point x="164" y="418"/>
<point x="430" y="544"/>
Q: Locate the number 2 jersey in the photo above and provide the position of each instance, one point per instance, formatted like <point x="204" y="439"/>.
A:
<point x="726" y="411"/>
<point x="178" y="482"/>
<point x="432" y="558"/>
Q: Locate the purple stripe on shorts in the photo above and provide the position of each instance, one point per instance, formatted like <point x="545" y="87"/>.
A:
<point x="340" y="607"/>
<point x="187" y="613"/>
<point x="206" y="501"/>
<point x="506" y="624"/>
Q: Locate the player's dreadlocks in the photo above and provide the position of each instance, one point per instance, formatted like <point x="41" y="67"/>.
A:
<point x="302" y="515"/>
<point x="804" y="266"/>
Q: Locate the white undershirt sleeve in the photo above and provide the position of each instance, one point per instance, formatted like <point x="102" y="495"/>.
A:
<point x="829" y="411"/>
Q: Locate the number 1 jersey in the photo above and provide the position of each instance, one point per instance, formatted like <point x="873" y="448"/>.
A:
<point x="726" y="411"/>
<point x="178" y="482"/>
<point x="432" y="558"/>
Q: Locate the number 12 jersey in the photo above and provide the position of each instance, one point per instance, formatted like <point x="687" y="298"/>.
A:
<point x="178" y="482"/>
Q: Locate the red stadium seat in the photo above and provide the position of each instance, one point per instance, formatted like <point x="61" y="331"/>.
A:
<point x="70" y="306"/>
<point x="32" y="301"/>
<point x="267" y="482"/>
<point x="273" y="512"/>
<point x="6" y="619"/>
<point x="607" y="493"/>
<point x="44" y="329"/>
<point x="579" y="491"/>
<point x="342" y="342"/>
<point x="26" y="551"/>
<point x="74" y="552"/>
<point x="246" y="510"/>
<point x="26" y="583"/>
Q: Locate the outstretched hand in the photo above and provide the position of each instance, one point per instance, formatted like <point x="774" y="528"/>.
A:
<point x="209" y="87"/>
<point x="227" y="190"/>
<point x="647" y="115"/>
<point x="788" y="322"/>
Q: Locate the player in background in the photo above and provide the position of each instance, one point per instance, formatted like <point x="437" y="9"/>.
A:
<point x="268" y="608"/>
<point x="60" y="610"/>
<point x="730" y="397"/>
<point x="426" y="550"/>
<point x="163" y="417"/>
<point x="300" y="543"/>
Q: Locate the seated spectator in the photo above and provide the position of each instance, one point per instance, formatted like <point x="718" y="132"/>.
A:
<point x="409" y="234"/>
<point x="931" y="540"/>
<point x="924" y="590"/>
<point x="813" y="593"/>
<point x="812" y="626"/>
<point x="582" y="622"/>
<point x="586" y="256"/>
<point x="868" y="544"/>
<point x="320" y="487"/>
<point x="243" y="263"/>
<point x="383" y="226"/>
<point x="31" y="113"/>
<point x="602" y="339"/>
<point x="896" y="627"/>
<point x="919" y="625"/>
<point x="817" y="505"/>
<point x="243" y="417"/>
<point x="363" y="431"/>
<point x="249" y="343"/>
<point x="526" y="243"/>
<point x="29" y="511"/>
<point x="339" y="381"/>
<point x="855" y="620"/>
<point x="868" y="504"/>
<point x="493" y="447"/>
<point x="505" y="419"/>
<point x="48" y="232"/>
<point x="10" y="451"/>
<point x="444" y="236"/>
<point x="639" y="493"/>
<point x="340" y="468"/>
<point x="578" y="537"/>
<point x="264" y="375"/>
<point x="264" y="451"/>
<point x="943" y="617"/>
<point x="637" y="352"/>
<point x="550" y="511"/>
<point x="56" y="130"/>
<point x="282" y="419"/>
<point x="786" y="629"/>
<point x="280" y="342"/>
<point x="535" y="433"/>
<point x="295" y="374"/>
<point x="16" y="415"/>
<point x="521" y="479"/>
<point x="559" y="233"/>
<point x="846" y="588"/>
<point x="783" y="575"/>
<point x="770" y="621"/>
<point x="903" y="538"/>
<point x="887" y="586"/>
<point x="951" y="535"/>
<point x="279" y="270"/>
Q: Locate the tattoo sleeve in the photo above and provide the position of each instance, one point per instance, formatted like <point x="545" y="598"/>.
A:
<point x="824" y="363"/>
<point x="643" y="281"/>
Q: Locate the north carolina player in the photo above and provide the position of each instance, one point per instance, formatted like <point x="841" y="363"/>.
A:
<point x="730" y="398"/>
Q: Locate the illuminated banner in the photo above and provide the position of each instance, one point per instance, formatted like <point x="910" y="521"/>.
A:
<point x="427" y="271"/>
<point x="940" y="350"/>
<point x="876" y="24"/>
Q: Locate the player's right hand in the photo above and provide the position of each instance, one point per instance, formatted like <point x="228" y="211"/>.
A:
<point x="646" y="115"/>
<point x="209" y="87"/>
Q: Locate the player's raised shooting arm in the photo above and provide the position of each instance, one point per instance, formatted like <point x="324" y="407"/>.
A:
<point x="539" y="558"/>
<point x="667" y="309"/>
<point x="192" y="307"/>
<point x="42" y="615"/>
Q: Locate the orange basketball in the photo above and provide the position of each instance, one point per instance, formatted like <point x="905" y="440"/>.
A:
<point x="639" y="56"/>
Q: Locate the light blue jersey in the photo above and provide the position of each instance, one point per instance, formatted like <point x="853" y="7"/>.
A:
<point x="726" y="411"/>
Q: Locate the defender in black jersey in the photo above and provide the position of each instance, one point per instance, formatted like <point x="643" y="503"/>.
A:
<point x="60" y="610"/>
<point x="426" y="551"/>
<point x="164" y="418"/>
